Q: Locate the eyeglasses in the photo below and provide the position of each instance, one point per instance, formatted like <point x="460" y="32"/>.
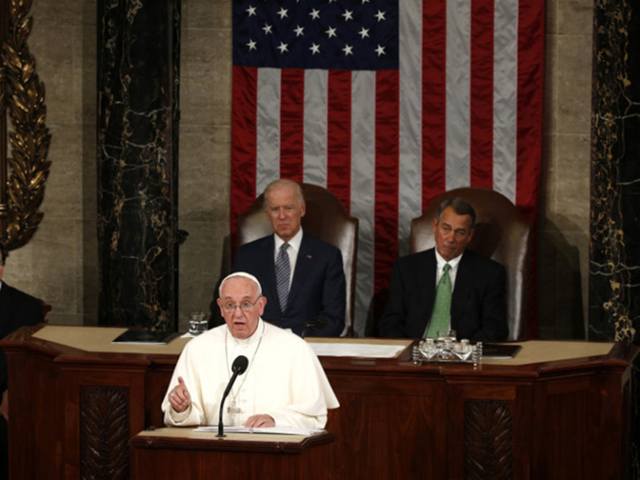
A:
<point x="245" y="306"/>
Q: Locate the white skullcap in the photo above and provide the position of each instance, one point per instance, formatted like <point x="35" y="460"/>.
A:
<point x="243" y="275"/>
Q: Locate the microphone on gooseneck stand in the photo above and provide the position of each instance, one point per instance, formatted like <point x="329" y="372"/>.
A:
<point x="238" y="367"/>
<point x="318" y="323"/>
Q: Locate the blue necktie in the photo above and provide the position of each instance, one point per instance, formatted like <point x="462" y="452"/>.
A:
<point x="442" y="306"/>
<point x="283" y="273"/>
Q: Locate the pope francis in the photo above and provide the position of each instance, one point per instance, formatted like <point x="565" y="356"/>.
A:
<point x="284" y="384"/>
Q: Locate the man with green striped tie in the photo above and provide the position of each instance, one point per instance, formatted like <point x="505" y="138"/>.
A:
<point x="447" y="287"/>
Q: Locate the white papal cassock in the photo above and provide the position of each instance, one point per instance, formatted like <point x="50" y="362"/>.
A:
<point x="284" y="379"/>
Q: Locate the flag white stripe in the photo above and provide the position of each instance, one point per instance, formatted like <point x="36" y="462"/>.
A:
<point x="505" y="98"/>
<point x="268" y="128"/>
<point x="458" y="94"/>
<point x="410" y="142"/>
<point x="315" y="127"/>
<point x="363" y="186"/>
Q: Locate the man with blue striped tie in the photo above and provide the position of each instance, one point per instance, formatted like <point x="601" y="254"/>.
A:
<point x="302" y="276"/>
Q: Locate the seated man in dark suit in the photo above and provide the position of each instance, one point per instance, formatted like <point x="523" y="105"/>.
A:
<point x="472" y="298"/>
<point x="16" y="309"/>
<point x="303" y="277"/>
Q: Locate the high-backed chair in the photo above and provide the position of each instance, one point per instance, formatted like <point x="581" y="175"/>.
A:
<point x="326" y="219"/>
<point x="501" y="234"/>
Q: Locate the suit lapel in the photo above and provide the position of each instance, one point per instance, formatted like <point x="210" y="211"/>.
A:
<point x="304" y="265"/>
<point x="463" y="286"/>
<point x="269" y="288"/>
<point x="4" y="293"/>
<point x="427" y="281"/>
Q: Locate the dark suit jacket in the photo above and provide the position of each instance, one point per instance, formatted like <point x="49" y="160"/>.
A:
<point x="17" y="309"/>
<point x="478" y="304"/>
<point x="318" y="287"/>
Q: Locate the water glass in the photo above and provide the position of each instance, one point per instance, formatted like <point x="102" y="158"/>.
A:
<point x="198" y="323"/>
<point x="443" y="335"/>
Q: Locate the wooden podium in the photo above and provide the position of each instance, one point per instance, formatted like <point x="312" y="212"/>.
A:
<point x="557" y="410"/>
<point x="184" y="453"/>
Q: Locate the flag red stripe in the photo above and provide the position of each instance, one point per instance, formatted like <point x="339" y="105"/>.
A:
<point x="339" y="135"/>
<point x="243" y="142"/>
<point x="434" y="47"/>
<point x="291" y="123"/>
<point x="529" y="131"/>
<point x="481" y="98"/>
<point x="386" y="176"/>
<point x="529" y="116"/>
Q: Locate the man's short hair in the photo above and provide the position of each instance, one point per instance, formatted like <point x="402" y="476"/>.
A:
<point x="4" y="252"/>
<point x="460" y="206"/>
<point x="283" y="182"/>
<point x="240" y="275"/>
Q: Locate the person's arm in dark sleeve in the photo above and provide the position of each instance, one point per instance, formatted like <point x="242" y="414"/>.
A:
<point x="334" y="297"/>
<point x="494" y="309"/>
<point x="392" y="322"/>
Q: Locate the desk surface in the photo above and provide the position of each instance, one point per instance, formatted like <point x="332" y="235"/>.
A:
<point x="192" y="434"/>
<point x="162" y="438"/>
<point x="98" y="339"/>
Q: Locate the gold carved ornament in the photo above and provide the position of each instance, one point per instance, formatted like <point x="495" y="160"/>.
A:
<point x="23" y="94"/>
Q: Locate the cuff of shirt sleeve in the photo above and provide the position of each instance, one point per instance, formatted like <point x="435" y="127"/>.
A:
<point x="179" y="417"/>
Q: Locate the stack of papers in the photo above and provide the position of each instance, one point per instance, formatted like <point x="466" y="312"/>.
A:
<point x="272" y="430"/>
<point x="362" y="350"/>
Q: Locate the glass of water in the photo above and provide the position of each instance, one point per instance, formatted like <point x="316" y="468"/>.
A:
<point x="444" y="335"/>
<point x="198" y="323"/>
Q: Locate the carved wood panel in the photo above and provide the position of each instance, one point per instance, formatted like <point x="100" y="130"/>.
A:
<point x="488" y="440"/>
<point x="104" y="433"/>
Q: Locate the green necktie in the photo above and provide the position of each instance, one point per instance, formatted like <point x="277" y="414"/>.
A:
<point x="442" y="306"/>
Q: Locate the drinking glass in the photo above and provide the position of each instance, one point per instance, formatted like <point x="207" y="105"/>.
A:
<point x="198" y="323"/>
<point x="443" y="335"/>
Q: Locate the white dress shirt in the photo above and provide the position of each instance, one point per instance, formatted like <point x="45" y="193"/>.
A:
<point x="294" y="248"/>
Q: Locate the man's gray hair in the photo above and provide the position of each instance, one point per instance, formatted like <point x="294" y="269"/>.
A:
<point x="240" y="275"/>
<point x="460" y="206"/>
<point x="283" y="182"/>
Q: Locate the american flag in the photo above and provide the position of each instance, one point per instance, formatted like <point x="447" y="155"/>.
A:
<point x="387" y="104"/>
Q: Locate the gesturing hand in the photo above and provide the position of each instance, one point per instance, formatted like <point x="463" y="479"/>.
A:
<point x="179" y="397"/>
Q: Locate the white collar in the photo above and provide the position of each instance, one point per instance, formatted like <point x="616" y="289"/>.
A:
<point x="294" y="243"/>
<point x="441" y="261"/>
<point x="255" y="336"/>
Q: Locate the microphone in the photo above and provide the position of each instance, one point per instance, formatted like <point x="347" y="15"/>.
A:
<point x="238" y="367"/>
<point x="318" y="323"/>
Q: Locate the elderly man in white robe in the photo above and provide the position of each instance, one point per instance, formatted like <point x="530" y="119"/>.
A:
<point x="284" y="384"/>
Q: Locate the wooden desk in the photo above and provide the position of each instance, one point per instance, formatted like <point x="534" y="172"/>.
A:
<point x="184" y="453"/>
<point x="559" y="410"/>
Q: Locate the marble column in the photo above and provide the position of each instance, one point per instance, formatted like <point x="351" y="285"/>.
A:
<point x="614" y="271"/>
<point x="138" y="79"/>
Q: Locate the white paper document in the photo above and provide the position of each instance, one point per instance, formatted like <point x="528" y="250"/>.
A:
<point x="272" y="430"/>
<point x="356" y="350"/>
